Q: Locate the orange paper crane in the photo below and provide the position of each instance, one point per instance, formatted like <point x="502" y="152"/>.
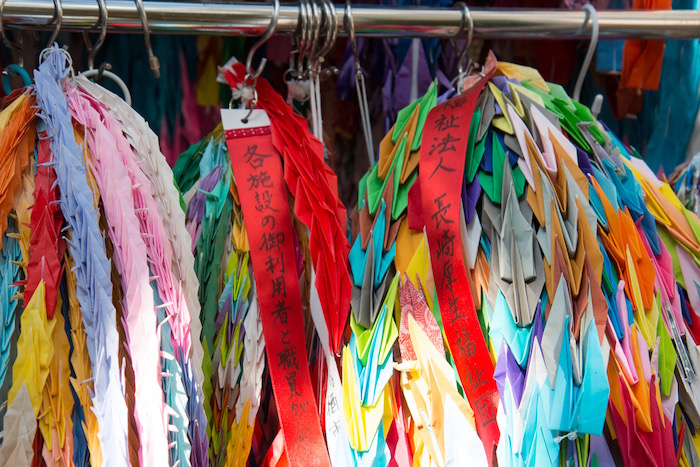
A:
<point x="641" y="59"/>
<point x="16" y="144"/>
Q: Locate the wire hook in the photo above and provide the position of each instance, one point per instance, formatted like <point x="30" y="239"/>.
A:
<point x="316" y="24"/>
<point x="360" y="86"/>
<point x="305" y="36"/>
<point x="253" y="102"/>
<point x="590" y="14"/>
<point x="331" y="27"/>
<point x="102" y="21"/>
<point x="468" y="24"/>
<point x="265" y="37"/>
<point x="152" y="59"/>
<point x="315" y="60"/>
<point x="298" y="44"/>
<point x="251" y="78"/>
<point x="349" y="24"/>
<point x="331" y="37"/>
<point x="58" y="17"/>
<point x="104" y="69"/>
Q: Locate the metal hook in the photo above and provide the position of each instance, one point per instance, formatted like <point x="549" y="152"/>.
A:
<point x="590" y="14"/>
<point x="470" y="32"/>
<point x="104" y="69"/>
<point x="326" y="28"/>
<point x="333" y="15"/>
<point x="299" y="42"/>
<point x="314" y="66"/>
<point x="102" y="21"/>
<point x="360" y="86"/>
<point x="468" y="24"/>
<point x="265" y="37"/>
<point x="349" y="24"/>
<point x="317" y="20"/>
<point x="58" y="17"/>
<point x="331" y="36"/>
<point x="305" y="30"/>
<point x="152" y="59"/>
<point x="6" y="40"/>
<point x="253" y="103"/>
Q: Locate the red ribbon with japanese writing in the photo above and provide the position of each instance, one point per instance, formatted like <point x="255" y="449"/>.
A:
<point x="257" y="168"/>
<point x="316" y="204"/>
<point x="442" y="157"/>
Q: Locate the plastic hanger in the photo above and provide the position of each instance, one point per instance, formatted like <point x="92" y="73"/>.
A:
<point x="103" y="70"/>
<point x="12" y="69"/>
<point x="360" y="85"/>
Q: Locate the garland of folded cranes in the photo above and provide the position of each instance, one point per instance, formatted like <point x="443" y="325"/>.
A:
<point x="521" y="289"/>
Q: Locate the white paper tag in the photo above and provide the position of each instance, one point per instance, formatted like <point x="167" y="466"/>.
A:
<point x="334" y="387"/>
<point x="239" y="119"/>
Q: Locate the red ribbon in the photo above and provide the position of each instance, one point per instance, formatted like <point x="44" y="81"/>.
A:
<point x="316" y="204"/>
<point x="257" y="168"/>
<point x="442" y="157"/>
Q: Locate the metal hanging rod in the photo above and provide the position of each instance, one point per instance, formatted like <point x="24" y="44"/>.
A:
<point x="251" y="19"/>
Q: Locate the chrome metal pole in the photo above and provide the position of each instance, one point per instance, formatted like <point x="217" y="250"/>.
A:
<point x="251" y="20"/>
